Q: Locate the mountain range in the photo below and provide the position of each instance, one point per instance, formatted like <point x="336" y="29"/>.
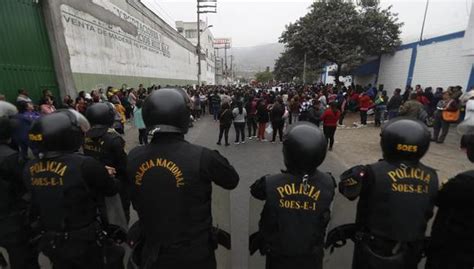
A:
<point x="250" y="60"/>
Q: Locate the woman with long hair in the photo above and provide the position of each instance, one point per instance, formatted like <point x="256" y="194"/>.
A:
<point x="225" y="121"/>
<point x="262" y="118"/>
<point x="276" y="117"/>
<point x="239" y="113"/>
<point x="330" y="118"/>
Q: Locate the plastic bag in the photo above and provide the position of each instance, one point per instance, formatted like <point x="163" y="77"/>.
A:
<point x="269" y="129"/>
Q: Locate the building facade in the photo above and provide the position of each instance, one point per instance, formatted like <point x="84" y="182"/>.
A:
<point x="90" y="44"/>
<point x="208" y="57"/>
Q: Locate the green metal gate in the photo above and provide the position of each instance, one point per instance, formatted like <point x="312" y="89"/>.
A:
<point x="25" y="53"/>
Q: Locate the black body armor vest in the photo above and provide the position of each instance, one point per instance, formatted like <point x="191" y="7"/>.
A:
<point x="295" y="215"/>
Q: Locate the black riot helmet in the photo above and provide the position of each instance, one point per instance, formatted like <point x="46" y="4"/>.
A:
<point x="7" y="111"/>
<point x="101" y="114"/>
<point x="61" y="131"/>
<point x="466" y="129"/>
<point x="304" y="148"/>
<point x="405" y="140"/>
<point x="167" y="111"/>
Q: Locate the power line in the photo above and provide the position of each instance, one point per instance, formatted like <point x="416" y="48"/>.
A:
<point x="162" y="14"/>
<point x="164" y="11"/>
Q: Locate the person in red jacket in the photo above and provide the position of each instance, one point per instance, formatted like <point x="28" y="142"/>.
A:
<point x="364" y="105"/>
<point x="330" y="118"/>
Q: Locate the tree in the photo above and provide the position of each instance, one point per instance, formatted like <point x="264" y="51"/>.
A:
<point x="339" y="32"/>
<point x="287" y="67"/>
<point x="264" y="77"/>
<point x="290" y="66"/>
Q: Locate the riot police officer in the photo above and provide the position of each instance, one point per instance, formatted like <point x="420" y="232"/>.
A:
<point x="297" y="208"/>
<point x="104" y="144"/>
<point x="172" y="187"/>
<point x="452" y="234"/>
<point x="396" y="199"/>
<point x="13" y="198"/>
<point x="65" y="188"/>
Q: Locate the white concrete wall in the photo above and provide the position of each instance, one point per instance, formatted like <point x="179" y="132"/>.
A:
<point x="137" y="44"/>
<point x="442" y="64"/>
<point x="468" y="45"/>
<point x="393" y="70"/>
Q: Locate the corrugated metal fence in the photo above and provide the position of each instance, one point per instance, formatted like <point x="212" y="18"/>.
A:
<point x="25" y="53"/>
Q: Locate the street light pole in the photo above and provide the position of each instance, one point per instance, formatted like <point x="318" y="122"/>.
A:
<point x="424" y="20"/>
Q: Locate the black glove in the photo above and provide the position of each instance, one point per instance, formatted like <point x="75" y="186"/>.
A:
<point x="338" y="236"/>
<point x="221" y="237"/>
<point x="115" y="233"/>
<point x="351" y="181"/>
<point x="255" y="242"/>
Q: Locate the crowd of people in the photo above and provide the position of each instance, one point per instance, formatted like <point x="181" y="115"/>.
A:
<point x="258" y="112"/>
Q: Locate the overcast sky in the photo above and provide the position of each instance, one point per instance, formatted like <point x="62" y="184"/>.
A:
<point x="258" y="22"/>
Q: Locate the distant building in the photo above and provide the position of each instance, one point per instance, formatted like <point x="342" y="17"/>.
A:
<point x="208" y="58"/>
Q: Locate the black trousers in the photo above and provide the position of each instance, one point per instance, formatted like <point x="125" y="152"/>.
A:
<point x="440" y="126"/>
<point x="305" y="262"/>
<point x="363" y="260"/>
<point x="252" y="125"/>
<point x="224" y="130"/>
<point x="363" y="117"/>
<point x="179" y="263"/>
<point x="76" y="255"/>
<point x="142" y="136"/>
<point x="329" y="132"/>
<point x="446" y="261"/>
<point x="341" y="118"/>
<point x="239" y="131"/>
<point x="277" y="127"/>
<point x="20" y="253"/>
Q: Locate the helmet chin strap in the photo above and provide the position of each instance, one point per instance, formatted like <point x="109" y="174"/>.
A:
<point x="164" y="129"/>
<point x="305" y="182"/>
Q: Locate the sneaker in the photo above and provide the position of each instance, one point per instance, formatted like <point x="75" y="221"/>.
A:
<point x="254" y="136"/>
<point x="264" y="140"/>
<point x="219" y="143"/>
<point x="227" y="144"/>
<point x="273" y="141"/>
<point x="281" y="142"/>
<point x="243" y="142"/>
<point x="250" y="137"/>
<point x="236" y="143"/>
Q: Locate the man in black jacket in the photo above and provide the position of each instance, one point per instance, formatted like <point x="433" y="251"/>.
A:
<point x="396" y="199"/>
<point x="297" y="203"/>
<point x="13" y="198"/>
<point x="172" y="190"/>
<point x="452" y="235"/>
<point x="66" y="188"/>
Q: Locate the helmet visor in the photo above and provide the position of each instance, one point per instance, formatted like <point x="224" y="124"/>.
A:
<point x="7" y="109"/>
<point x="80" y="120"/>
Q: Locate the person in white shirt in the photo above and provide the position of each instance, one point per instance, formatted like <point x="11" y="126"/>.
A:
<point x="240" y="114"/>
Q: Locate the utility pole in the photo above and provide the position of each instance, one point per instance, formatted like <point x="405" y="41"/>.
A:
<point x="202" y="9"/>
<point x="225" y="60"/>
<point x="424" y="20"/>
<point x="232" y="67"/>
<point x="198" y="48"/>
<point x="304" y="69"/>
